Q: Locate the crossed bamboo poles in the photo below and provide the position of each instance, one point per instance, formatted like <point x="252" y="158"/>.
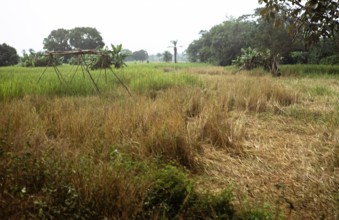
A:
<point x="81" y="62"/>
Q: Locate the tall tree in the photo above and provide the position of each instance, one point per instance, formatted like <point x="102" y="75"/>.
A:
<point x="57" y="40"/>
<point x="77" y="38"/>
<point x="8" y="55"/>
<point x="222" y="43"/>
<point x="175" y="50"/>
<point x="275" y="39"/>
<point x="194" y="51"/>
<point x="85" y="38"/>
<point x="128" y="54"/>
<point x="311" y="18"/>
<point x="167" y="56"/>
<point x="140" y="55"/>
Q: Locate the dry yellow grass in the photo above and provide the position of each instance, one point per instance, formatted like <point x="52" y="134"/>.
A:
<point x="248" y="132"/>
<point x="290" y="162"/>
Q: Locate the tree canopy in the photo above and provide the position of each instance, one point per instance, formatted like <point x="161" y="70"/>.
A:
<point x="311" y="18"/>
<point x="223" y="43"/>
<point x="57" y="40"/>
<point x="140" y="55"/>
<point x="167" y="56"/>
<point x="83" y="38"/>
<point x="8" y="55"/>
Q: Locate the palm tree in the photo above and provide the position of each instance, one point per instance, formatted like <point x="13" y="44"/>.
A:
<point x="174" y="42"/>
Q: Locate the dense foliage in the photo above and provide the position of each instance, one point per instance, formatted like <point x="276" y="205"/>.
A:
<point x="114" y="57"/>
<point x="85" y="38"/>
<point x="77" y="38"/>
<point x="223" y="43"/>
<point x="140" y="55"/>
<point x="8" y="55"/>
<point x="312" y="18"/>
<point x="167" y="56"/>
<point x="36" y="59"/>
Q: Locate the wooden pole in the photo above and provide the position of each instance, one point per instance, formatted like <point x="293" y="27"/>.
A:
<point x="83" y="65"/>
<point x="79" y="52"/>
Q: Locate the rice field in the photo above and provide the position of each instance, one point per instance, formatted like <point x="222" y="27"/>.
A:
<point x="165" y="141"/>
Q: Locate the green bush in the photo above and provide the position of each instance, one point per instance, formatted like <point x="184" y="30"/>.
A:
<point x="169" y="193"/>
<point x="299" y="57"/>
<point x="309" y="70"/>
<point x="330" y="60"/>
<point x="173" y="196"/>
<point x="39" y="59"/>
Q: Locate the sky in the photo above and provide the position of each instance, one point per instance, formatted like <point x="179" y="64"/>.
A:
<point x="136" y="24"/>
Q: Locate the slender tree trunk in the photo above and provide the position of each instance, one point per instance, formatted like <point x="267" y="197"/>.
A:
<point x="275" y="66"/>
<point x="175" y="54"/>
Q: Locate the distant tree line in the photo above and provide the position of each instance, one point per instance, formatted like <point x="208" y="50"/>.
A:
<point x="79" y="38"/>
<point x="140" y="55"/>
<point x="222" y="44"/>
<point x="284" y="31"/>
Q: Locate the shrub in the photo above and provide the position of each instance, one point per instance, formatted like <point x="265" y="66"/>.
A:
<point x="173" y="196"/>
<point x="36" y="59"/>
<point x="169" y="193"/>
<point x="330" y="60"/>
<point x="299" y="57"/>
<point x="249" y="59"/>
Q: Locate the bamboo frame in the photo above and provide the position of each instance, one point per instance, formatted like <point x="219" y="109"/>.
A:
<point x="81" y="63"/>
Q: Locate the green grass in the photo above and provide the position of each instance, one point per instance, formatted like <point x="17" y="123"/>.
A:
<point x="328" y="118"/>
<point x="321" y="91"/>
<point x="20" y="81"/>
<point x="314" y="71"/>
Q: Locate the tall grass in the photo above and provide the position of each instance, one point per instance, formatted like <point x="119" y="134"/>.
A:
<point x="317" y="71"/>
<point x="69" y="152"/>
<point x="19" y="81"/>
<point x="82" y="155"/>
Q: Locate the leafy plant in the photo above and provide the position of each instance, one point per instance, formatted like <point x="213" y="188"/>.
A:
<point x="249" y="59"/>
<point x="36" y="59"/>
<point x="173" y="196"/>
<point x="170" y="192"/>
<point x="108" y="58"/>
<point x="312" y="18"/>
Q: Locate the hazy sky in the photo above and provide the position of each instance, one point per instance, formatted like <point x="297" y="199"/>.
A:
<point x="136" y="24"/>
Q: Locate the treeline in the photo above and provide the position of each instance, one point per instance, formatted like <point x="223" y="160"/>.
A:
<point x="79" y="38"/>
<point x="223" y="43"/>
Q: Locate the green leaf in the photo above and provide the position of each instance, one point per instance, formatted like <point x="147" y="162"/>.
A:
<point x="119" y="48"/>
